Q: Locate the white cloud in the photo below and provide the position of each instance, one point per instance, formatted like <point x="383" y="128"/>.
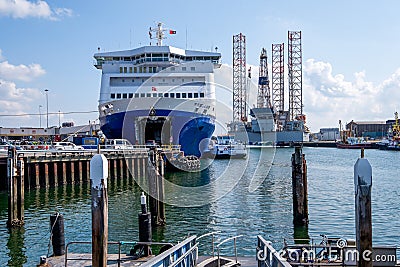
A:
<point x="25" y="9"/>
<point x="329" y="98"/>
<point x="15" y="100"/>
<point x="20" y="72"/>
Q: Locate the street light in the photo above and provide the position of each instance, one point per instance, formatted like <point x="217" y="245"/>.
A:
<point x="40" y="116"/>
<point x="47" y="107"/>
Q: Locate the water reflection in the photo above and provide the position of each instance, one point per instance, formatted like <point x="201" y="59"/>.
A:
<point x="16" y="246"/>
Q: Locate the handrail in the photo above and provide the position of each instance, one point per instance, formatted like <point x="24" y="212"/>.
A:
<point x="119" y="243"/>
<point x="234" y="246"/>
<point x="212" y="239"/>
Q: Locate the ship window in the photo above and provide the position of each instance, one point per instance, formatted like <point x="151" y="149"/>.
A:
<point x="118" y="96"/>
<point x="144" y="69"/>
<point x="166" y="95"/>
<point x="178" y="95"/>
<point x="140" y="69"/>
<point x="154" y="94"/>
<point x="196" y="95"/>
<point x="142" y="95"/>
<point x="152" y="80"/>
<point x="160" y="94"/>
<point x="124" y="95"/>
<point x="125" y="69"/>
<point x="172" y="95"/>
<point x="163" y="80"/>
<point x="183" y="95"/>
<point x="183" y="80"/>
<point x="201" y="94"/>
<point x="112" y="96"/>
<point x="173" y="80"/>
<point x="190" y="95"/>
<point x="172" y="68"/>
<point x="154" y="69"/>
<point x="133" y="80"/>
<point x="148" y="95"/>
<point x="192" y="80"/>
<point x="116" y="58"/>
<point x="134" y="69"/>
<point x="192" y="68"/>
<point x="150" y="69"/>
<point x="183" y="68"/>
<point x="142" y="80"/>
<point x="130" y="95"/>
<point x="130" y="69"/>
<point x="136" y="95"/>
<point x="123" y="80"/>
<point x="120" y="69"/>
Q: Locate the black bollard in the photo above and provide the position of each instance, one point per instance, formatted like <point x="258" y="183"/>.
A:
<point x="144" y="222"/>
<point x="57" y="234"/>
<point x="143" y="250"/>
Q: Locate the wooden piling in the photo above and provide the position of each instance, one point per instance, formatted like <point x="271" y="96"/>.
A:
<point x="80" y="172"/>
<point x="72" y="173"/>
<point x="64" y="172"/>
<point x="37" y="175"/>
<point x="55" y="173"/>
<point x="46" y="174"/>
<point x="299" y="188"/>
<point x="15" y="192"/>
<point x="98" y="176"/>
<point x="363" y="185"/>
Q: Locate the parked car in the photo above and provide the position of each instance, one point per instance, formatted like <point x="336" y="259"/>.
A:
<point x="66" y="146"/>
<point x="118" y="144"/>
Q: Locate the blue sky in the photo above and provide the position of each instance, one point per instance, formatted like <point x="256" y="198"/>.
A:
<point x="350" y="50"/>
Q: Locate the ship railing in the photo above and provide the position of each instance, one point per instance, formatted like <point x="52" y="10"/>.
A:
<point x="119" y="243"/>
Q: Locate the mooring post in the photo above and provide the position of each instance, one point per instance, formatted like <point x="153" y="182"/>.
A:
<point x="363" y="185"/>
<point x="15" y="193"/>
<point x="145" y="235"/>
<point x="161" y="205"/>
<point x="98" y="177"/>
<point x="299" y="188"/>
<point x="57" y="234"/>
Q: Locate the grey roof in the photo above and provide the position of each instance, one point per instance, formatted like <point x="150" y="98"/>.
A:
<point x="156" y="49"/>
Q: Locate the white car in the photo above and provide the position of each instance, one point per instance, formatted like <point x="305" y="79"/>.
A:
<point x="66" y="146"/>
<point x="118" y="144"/>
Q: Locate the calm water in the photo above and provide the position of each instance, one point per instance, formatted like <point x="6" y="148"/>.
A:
<point x="267" y="210"/>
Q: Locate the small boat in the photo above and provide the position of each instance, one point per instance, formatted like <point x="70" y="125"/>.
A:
<point x="354" y="143"/>
<point x="225" y="147"/>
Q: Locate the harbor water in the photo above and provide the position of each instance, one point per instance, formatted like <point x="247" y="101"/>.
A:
<point x="236" y="207"/>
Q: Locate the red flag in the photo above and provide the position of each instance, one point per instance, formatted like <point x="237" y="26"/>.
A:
<point x="153" y="89"/>
<point x="172" y="32"/>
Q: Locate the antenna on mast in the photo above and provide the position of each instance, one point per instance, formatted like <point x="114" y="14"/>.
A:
<point x="159" y="31"/>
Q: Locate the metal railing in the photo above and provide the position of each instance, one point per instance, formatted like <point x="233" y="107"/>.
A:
<point x="267" y="256"/>
<point x="183" y="254"/>
<point x="234" y="247"/>
<point x="212" y="234"/>
<point x="120" y="243"/>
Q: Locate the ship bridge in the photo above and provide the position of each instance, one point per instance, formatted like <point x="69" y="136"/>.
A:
<point x="160" y="55"/>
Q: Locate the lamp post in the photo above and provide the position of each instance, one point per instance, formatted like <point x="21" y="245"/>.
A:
<point x="59" y="118"/>
<point x="40" y="116"/>
<point x="47" y="107"/>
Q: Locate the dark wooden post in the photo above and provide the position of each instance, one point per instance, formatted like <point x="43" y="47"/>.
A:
<point x="299" y="188"/>
<point x="363" y="185"/>
<point x="161" y="193"/>
<point x="98" y="177"/>
<point x="15" y="193"/>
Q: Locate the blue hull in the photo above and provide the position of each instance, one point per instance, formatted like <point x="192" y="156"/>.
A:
<point x="190" y="130"/>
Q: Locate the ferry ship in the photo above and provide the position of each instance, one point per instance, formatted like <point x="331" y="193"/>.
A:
<point x="160" y="93"/>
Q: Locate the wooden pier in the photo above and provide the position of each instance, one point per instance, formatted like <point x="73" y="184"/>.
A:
<point x="43" y="169"/>
<point x="25" y="170"/>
